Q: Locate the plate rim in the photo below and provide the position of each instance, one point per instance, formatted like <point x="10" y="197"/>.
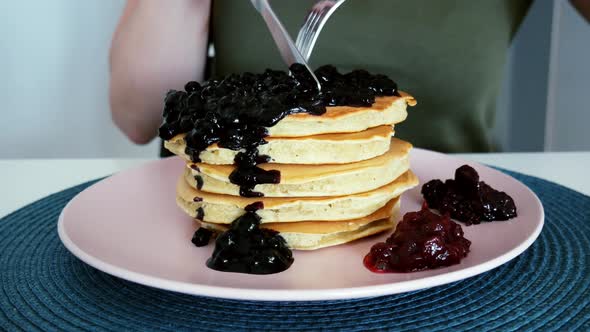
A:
<point x="274" y="295"/>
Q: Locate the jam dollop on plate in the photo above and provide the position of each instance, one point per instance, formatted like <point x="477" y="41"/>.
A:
<point x="467" y="199"/>
<point x="422" y="240"/>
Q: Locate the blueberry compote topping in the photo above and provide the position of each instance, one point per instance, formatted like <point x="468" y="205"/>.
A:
<point x="422" y="240"/>
<point x="199" y="180"/>
<point x="235" y="111"/>
<point x="247" y="248"/>
<point x="200" y="213"/>
<point x="467" y="199"/>
<point x="247" y="175"/>
<point x="201" y="237"/>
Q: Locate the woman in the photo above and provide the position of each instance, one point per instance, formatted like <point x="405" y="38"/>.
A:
<point x="448" y="54"/>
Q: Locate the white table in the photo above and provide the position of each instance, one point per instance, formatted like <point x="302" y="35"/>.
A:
<point x="26" y="180"/>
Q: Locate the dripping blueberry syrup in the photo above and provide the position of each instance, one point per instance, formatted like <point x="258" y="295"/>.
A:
<point x="200" y="214"/>
<point x="201" y="237"/>
<point x="254" y="206"/>
<point x="199" y="180"/>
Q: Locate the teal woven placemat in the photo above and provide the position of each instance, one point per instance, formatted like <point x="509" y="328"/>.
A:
<point x="46" y="288"/>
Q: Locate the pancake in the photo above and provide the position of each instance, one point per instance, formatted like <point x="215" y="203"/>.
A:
<point x="317" y="149"/>
<point x="218" y="208"/>
<point x="310" y="235"/>
<point x="345" y="119"/>
<point x="314" y="180"/>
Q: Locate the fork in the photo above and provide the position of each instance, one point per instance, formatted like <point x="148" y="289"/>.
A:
<point x="288" y="51"/>
<point x="313" y="24"/>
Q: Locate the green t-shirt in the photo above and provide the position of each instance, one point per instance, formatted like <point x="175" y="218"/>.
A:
<point x="448" y="54"/>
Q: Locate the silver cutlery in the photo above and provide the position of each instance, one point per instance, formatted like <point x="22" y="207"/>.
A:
<point x="313" y="24"/>
<point x="285" y="44"/>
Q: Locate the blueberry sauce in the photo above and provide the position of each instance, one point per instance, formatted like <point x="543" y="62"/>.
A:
<point x="422" y="240"/>
<point x="199" y="180"/>
<point x="201" y="237"/>
<point x="247" y="248"/>
<point x="254" y="206"/>
<point x="200" y="214"/>
<point x="467" y="199"/>
<point x="236" y="111"/>
<point x="248" y="175"/>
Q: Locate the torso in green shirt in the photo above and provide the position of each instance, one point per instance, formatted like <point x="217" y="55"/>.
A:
<point x="448" y="54"/>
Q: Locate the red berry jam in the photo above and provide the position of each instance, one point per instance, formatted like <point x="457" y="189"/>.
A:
<point x="422" y="240"/>
<point x="467" y="199"/>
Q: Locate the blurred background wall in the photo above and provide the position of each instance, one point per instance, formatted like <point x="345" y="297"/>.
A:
<point x="54" y="81"/>
<point x="544" y="100"/>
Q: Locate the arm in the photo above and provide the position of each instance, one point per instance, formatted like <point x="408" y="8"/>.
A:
<point x="583" y="8"/>
<point x="157" y="46"/>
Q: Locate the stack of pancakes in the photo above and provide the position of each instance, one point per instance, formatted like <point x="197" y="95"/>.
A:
<point x="341" y="176"/>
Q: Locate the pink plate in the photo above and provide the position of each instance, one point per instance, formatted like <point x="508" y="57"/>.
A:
<point x="128" y="225"/>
